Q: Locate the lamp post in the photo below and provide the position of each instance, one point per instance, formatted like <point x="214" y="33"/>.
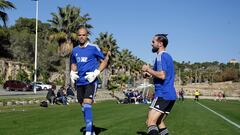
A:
<point x="35" y="60"/>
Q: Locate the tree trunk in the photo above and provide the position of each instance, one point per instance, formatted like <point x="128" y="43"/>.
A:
<point x="196" y="77"/>
<point x="104" y="78"/>
<point x="134" y="81"/>
<point x="67" y="71"/>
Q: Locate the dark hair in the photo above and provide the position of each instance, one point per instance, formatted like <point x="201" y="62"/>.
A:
<point x="162" y="38"/>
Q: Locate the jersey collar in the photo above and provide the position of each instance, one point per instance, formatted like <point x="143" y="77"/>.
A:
<point x="160" y="53"/>
<point x="85" y="45"/>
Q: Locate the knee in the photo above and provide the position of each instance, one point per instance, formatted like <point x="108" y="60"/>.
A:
<point x="151" y="121"/>
<point x="87" y="101"/>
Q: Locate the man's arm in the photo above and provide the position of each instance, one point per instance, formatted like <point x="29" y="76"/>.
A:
<point x="73" y="67"/>
<point x="157" y="74"/>
<point x="104" y="63"/>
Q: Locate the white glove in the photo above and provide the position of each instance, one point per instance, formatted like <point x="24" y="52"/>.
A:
<point x="91" y="76"/>
<point x="74" y="76"/>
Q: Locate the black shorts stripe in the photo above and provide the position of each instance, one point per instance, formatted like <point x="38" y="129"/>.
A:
<point x="162" y="105"/>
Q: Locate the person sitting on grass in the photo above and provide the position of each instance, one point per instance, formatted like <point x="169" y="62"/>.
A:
<point x="51" y="97"/>
<point x="70" y="93"/>
<point x="61" y="96"/>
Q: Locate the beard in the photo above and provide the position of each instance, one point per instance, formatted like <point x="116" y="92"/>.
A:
<point x="154" y="49"/>
<point x="81" y="43"/>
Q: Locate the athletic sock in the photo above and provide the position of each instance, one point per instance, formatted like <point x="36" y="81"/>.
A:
<point x="88" y="133"/>
<point x="163" y="131"/>
<point x="83" y="111"/>
<point x="152" y="130"/>
<point x="88" y="117"/>
<point x="83" y="115"/>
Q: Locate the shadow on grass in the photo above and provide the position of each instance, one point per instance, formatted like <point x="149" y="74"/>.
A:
<point x="97" y="130"/>
<point x="141" y="133"/>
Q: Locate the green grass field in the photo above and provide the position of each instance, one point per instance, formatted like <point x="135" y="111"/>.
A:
<point x="187" y="118"/>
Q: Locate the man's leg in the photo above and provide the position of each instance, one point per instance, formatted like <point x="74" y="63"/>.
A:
<point x="161" y="125"/>
<point x="90" y="91"/>
<point x="52" y="100"/>
<point x="153" y="116"/>
<point x="64" y="100"/>
<point x="80" y="97"/>
<point x="87" y="106"/>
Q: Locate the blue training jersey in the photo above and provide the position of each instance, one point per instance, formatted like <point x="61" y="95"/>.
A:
<point x="87" y="60"/>
<point x="165" y="88"/>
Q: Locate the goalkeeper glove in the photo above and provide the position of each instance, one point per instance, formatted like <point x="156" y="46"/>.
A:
<point x="91" y="76"/>
<point x="74" y="76"/>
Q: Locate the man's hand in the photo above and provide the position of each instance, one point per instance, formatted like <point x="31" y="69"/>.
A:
<point x="109" y="53"/>
<point x="91" y="76"/>
<point x="74" y="76"/>
<point x="146" y="75"/>
<point x="145" y="68"/>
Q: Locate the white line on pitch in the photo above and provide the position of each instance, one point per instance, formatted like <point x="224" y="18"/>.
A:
<point x="229" y="121"/>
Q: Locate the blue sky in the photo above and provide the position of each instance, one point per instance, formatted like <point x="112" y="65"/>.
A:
<point x="199" y="30"/>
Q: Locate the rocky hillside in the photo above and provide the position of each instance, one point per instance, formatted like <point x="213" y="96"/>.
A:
<point x="229" y="88"/>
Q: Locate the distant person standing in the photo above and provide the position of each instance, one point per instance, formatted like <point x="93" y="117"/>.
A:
<point x="87" y="61"/>
<point x="197" y="94"/>
<point x="181" y="94"/>
<point x="224" y="97"/>
<point x="165" y="94"/>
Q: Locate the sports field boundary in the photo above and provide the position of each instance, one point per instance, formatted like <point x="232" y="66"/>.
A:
<point x="212" y="97"/>
<point x="223" y="117"/>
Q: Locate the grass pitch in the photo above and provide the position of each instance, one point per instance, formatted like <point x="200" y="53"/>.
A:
<point x="110" y="118"/>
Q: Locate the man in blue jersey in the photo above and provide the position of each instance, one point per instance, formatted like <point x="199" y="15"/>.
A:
<point x="87" y="61"/>
<point x="165" y="94"/>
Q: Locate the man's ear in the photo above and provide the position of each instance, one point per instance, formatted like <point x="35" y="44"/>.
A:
<point x="160" y="44"/>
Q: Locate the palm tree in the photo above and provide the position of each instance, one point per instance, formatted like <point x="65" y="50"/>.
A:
<point x="128" y="64"/>
<point x="107" y="43"/>
<point x="4" y="4"/>
<point x="65" y="24"/>
<point x="135" y="71"/>
<point x="122" y="60"/>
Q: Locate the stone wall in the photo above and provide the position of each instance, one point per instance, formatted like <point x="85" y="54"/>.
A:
<point x="9" y="69"/>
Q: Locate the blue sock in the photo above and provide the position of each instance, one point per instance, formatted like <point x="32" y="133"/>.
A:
<point x="83" y="112"/>
<point x="88" y="117"/>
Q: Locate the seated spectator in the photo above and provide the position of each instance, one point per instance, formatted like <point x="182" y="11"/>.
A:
<point x="61" y="96"/>
<point x="127" y="93"/>
<point x="51" y="97"/>
<point x="70" y="93"/>
<point x="140" y="97"/>
<point x="135" y="95"/>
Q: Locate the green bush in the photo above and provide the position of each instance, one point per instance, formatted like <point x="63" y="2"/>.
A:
<point x="22" y="76"/>
<point x="1" y="80"/>
<point x="59" y="81"/>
